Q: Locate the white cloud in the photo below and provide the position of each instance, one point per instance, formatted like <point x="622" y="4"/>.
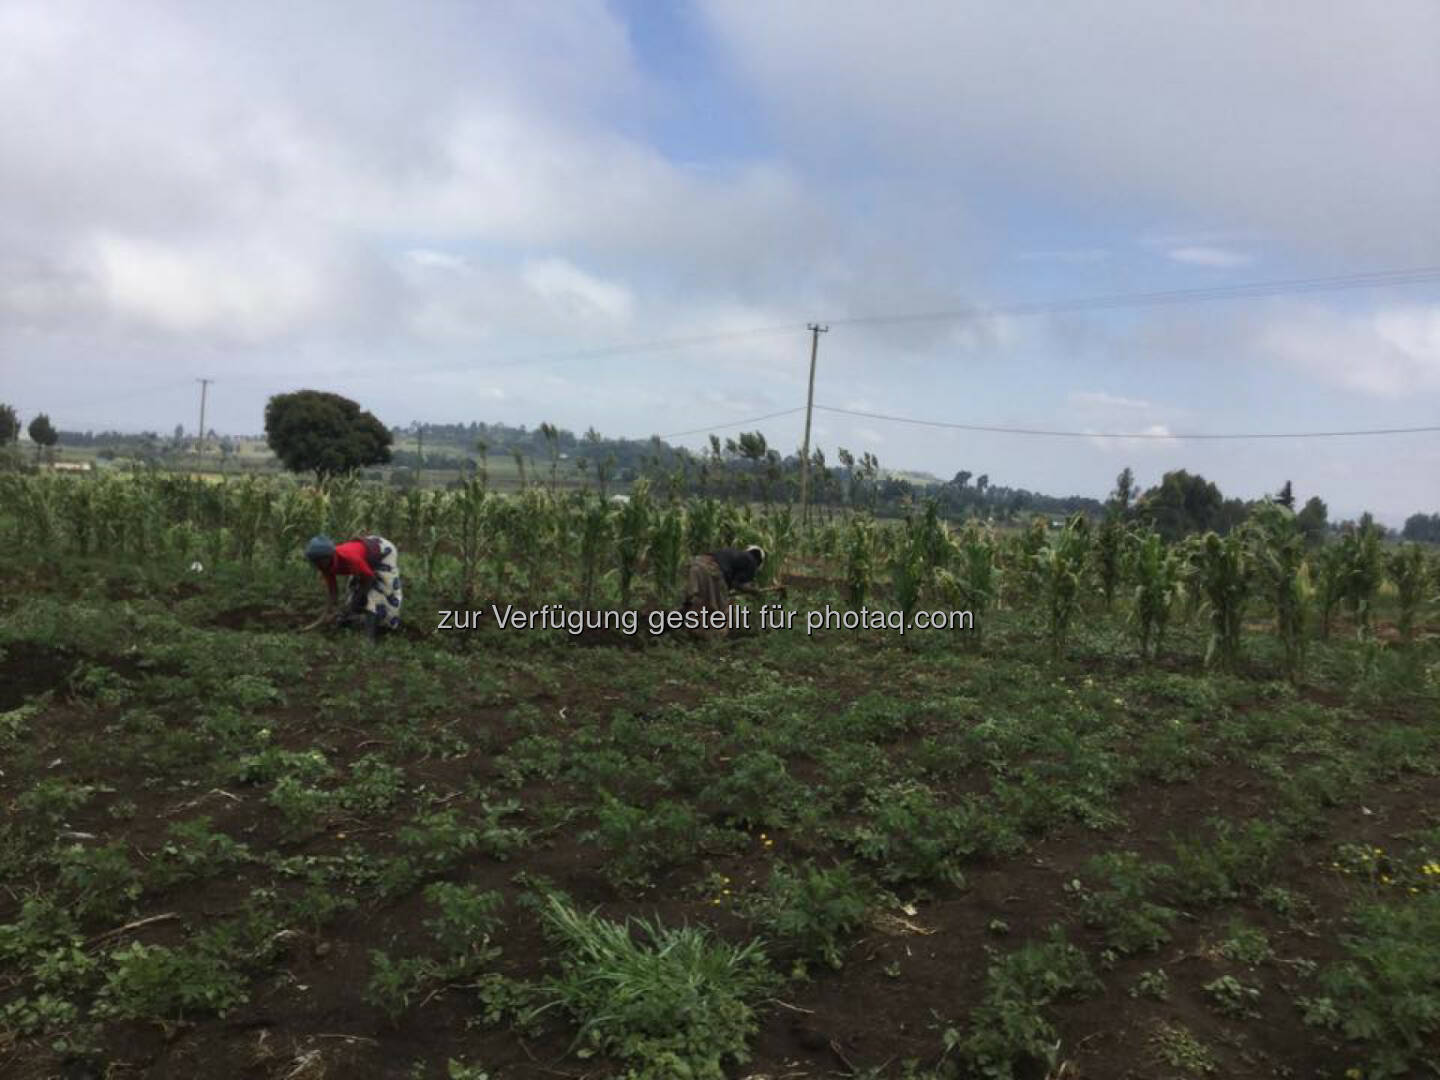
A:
<point x="1075" y="255"/>
<point x="1390" y="353"/>
<point x="1257" y="116"/>
<point x="1102" y="399"/>
<point x="576" y="294"/>
<point x="436" y="260"/>
<point x="1218" y="258"/>
<point x="1153" y="438"/>
<point x="250" y="294"/>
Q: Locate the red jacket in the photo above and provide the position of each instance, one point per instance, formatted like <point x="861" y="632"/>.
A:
<point x="350" y="559"/>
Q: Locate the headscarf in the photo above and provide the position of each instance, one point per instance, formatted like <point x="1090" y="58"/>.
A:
<point x="319" y="549"/>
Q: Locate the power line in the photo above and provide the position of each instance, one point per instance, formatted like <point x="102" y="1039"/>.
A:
<point x="734" y="423"/>
<point x="599" y="352"/>
<point x="659" y="345"/>
<point x="1127" y="435"/>
<point x="1254" y="289"/>
<point x="1248" y="290"/>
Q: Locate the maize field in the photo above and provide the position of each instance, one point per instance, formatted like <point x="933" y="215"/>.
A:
<point x="1163" y="809"/>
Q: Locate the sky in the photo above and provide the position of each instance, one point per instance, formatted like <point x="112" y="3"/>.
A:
<point x="458" y="211"/>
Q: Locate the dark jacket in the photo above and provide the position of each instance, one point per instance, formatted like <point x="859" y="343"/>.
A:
<point x="738" y="567"/>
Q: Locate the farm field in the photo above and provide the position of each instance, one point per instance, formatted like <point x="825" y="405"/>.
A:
<point x="1048" y="848"/>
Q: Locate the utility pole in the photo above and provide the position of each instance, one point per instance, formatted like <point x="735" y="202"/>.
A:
<point x="815" y="331"/>
<point x="200" y="443"/>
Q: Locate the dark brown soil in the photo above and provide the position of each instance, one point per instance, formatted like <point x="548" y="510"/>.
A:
<point x="901" y="984"/>
<point x="28" y="670"/>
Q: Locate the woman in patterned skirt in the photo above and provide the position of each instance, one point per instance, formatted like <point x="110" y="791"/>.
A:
<point x="373" y="567"/>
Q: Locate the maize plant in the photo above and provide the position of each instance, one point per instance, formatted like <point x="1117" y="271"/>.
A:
<point x="932" y="537"/>
<point x="1021" y="555"/>
<point x="1329" y="577"/>
<point x="431" y="534"/>
<point x="1059" y="568"/>
<point x="251" y="516"/>
<point x="469" y="504"/>
<point x="298" y="513"/>
<point x="415" y="514"/>
<point x="217" y="543"/>
<point x="907" y="573"/>
<point x="1279" y="553"/>
<point x="343" y="504"/>
<point x="531" y="531"/>
<point x="972" y="586"/>
<point x="702" y="519"/>
<point x="80" y="516"/>
<point x="1223" y="573"/>
<point x="666" y="542"/>
<point x="860" y="560"/>
<point x="1109" y="552"/>
<point x="1158" y="584"/>
<point x="499" y="531"/>
<point x="1409" y="573"/>
<point x="918" y="550"/>
<point x="633" y="529"/>
<point x="595" y="533"/>
<point x="1362" y="570"/>
<point x="779" y="541"/>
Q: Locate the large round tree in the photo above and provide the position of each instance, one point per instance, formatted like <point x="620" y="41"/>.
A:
<point x="42" y="433"/>
<point x="312" y="431"/>
<point x="9" y="425"/>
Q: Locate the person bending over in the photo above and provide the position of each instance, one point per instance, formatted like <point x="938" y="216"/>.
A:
<point x="373" y="567"/>
<point x="714" y="576"/>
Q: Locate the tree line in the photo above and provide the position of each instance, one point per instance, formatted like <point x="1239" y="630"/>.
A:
<point x="312" y="431"/>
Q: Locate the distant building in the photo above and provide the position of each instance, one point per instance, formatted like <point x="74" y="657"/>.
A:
<point x="70" y="466"/>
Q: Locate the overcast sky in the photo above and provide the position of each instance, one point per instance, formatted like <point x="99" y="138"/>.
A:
<point x="427" y="206"/>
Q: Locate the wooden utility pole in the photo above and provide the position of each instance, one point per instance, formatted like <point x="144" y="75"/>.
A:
<point x="815" y="331"/>
<point x="200" y="439"/>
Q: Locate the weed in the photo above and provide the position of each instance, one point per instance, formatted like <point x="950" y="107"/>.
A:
<point x="375" y="786"/>
<point x="756" y="792"/>
<point x="813" y="909"/>
<point x="303" y="807"/>
<point x="1178" y="1048"/>
<point x="157" y="983"/>
<point x="1233" y="998"/>
<point x="675" y="1002"/>
<point x="101" y="881"/>
<point x="1246" y="945"/>
<point x="1238" y="858"/>
<point x="1152" y="984"/>
<point x="1386" y="992"/>
<point x="466" y="923"/>
<point x="642" y="842"/>
<point x="194" y="850"/>
<point x="1008" y="1034"/>
<point x="53" y="800"/>
<point x="395" y="984"/>
<point x="1131" y="922"/>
